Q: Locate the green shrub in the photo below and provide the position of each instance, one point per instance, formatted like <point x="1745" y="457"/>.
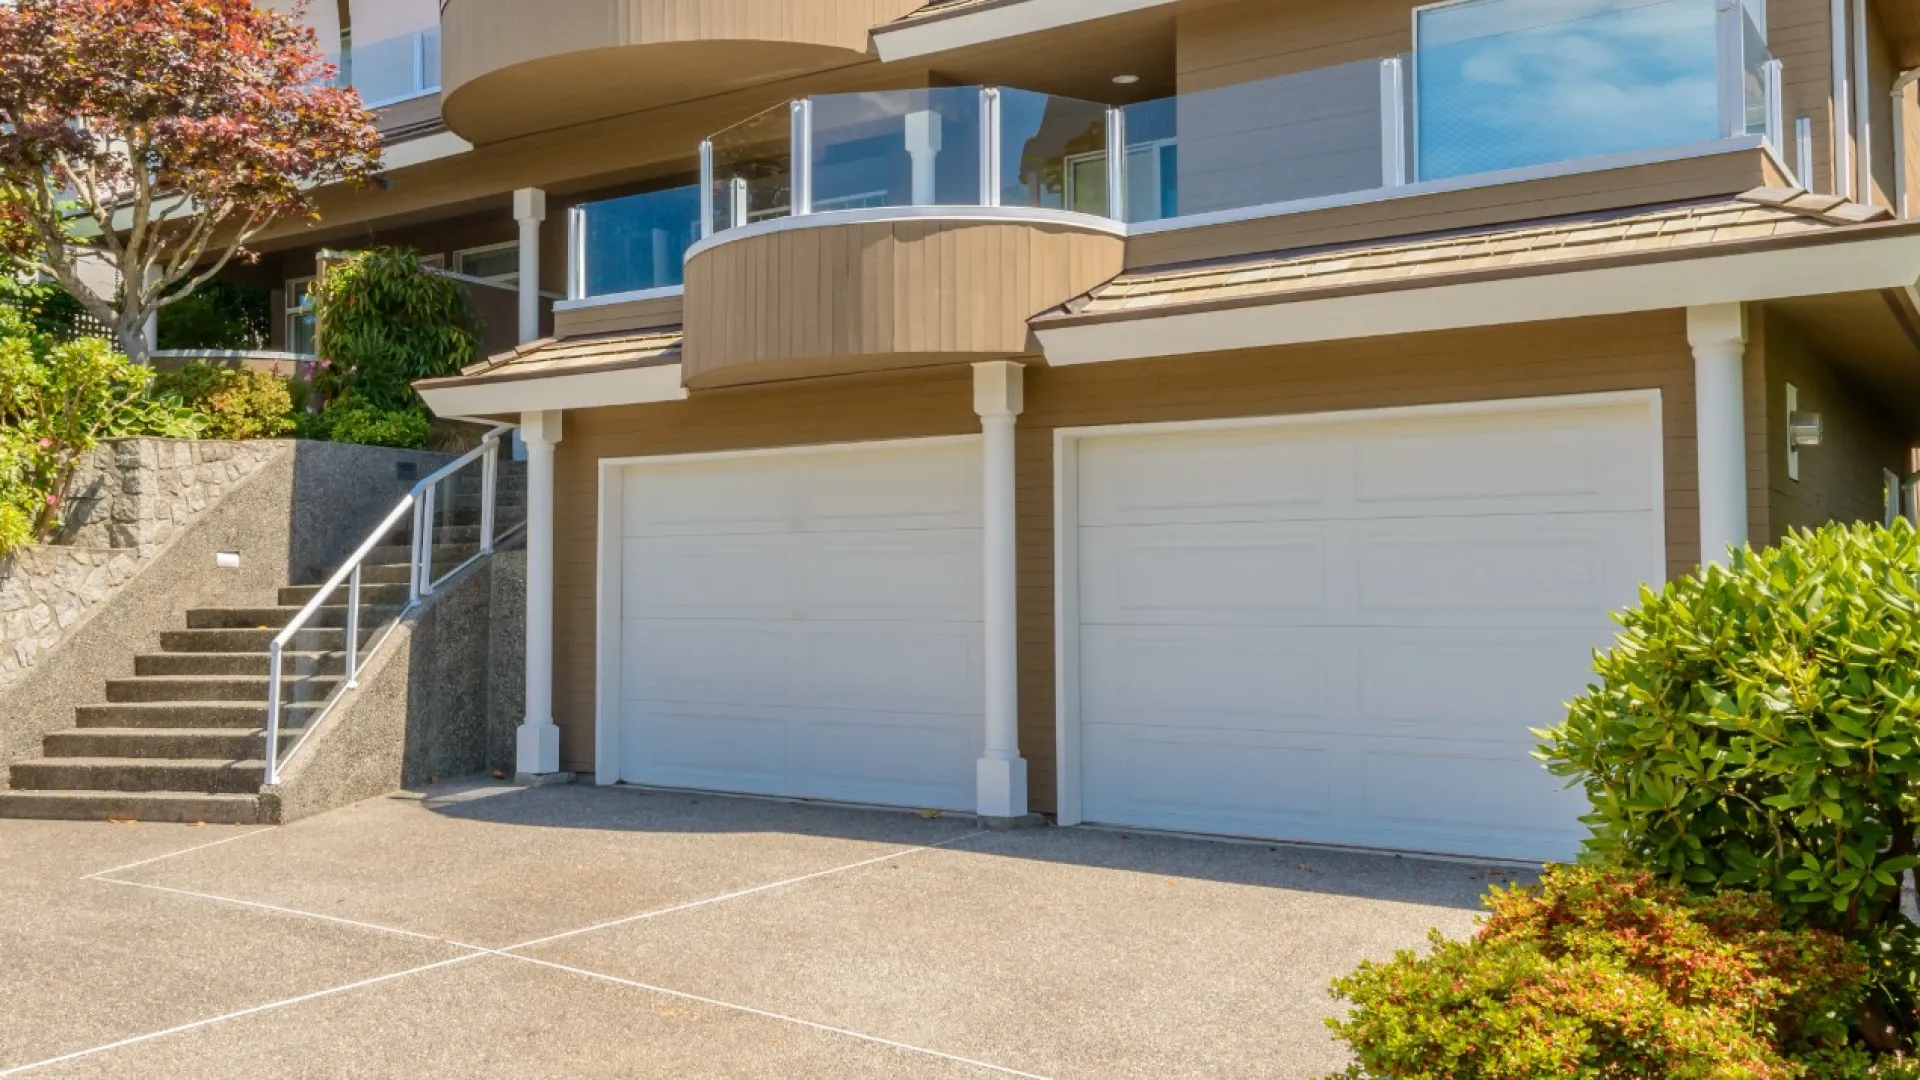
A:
<point x="1604" y="974"/>
<point x="20" y="501"/>
<point x="351" y="420"/>
<point x="1758" y="726"/>
<point x="57" y="401"/>
<point x="386" y="322"/>
<point x="239" y="403"/>
<point x="218" y="315"/>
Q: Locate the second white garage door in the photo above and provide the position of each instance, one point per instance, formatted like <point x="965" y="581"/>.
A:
<point x="804" y="624"/>
<point x="1341" y="631"/>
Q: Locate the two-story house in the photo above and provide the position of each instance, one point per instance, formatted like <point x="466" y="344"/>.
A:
<point x="1224" y="416"/>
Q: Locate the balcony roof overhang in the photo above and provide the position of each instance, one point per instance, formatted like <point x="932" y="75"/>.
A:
<point x="958" y="24"/>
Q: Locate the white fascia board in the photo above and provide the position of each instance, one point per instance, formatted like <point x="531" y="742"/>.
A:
<point x="1861" y="266"/>
<point x="585" y="390"/>
<point x="924" y="37"/>
<point x="401" y="155"/>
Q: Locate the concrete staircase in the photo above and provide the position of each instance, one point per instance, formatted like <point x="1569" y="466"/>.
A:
<point x="184" y="739"/>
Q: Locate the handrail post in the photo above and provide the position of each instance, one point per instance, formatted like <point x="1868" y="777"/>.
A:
<point x="1776" y="106"/>
<point x="425" y="538"/>
<point x="273" y="712"/>
<point x="413" y="560"/>
<point x="489" y="489"/>
<point x="353" y="628"/>
<point x="1393" y="123"/>
<point x="706" y="188"/>
<point x="801" y="137"/>
<point x="1117" y="164"/>
<point x="577" y="253"/>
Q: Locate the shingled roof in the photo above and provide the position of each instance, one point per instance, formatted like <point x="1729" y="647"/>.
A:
<point x="1761" y="214"/>
<point x="574" y="356"/>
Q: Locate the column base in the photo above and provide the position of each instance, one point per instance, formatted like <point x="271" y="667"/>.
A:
<point x="536" y="750"/>
<point x="1001" y="786"/>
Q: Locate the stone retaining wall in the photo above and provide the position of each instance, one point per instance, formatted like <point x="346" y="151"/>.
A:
<point x="128" y="499"/>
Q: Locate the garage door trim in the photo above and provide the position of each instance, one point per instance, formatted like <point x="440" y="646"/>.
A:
<point x="1066" y="532"/>
<point x="610" y="572"/>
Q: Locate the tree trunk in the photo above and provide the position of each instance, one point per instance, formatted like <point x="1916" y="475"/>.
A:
<point x="132" y="340"/>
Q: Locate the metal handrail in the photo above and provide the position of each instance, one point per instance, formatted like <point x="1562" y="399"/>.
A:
<point x="421" y="501"/>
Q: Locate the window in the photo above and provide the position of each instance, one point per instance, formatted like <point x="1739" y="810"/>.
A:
<point x="498" y="263"/>
<point x="434" y="262"/>
<point x="300" y="324"/>
<point x="1153" y="181"/>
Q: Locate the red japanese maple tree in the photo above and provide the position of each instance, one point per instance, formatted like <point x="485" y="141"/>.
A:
<point x="161" y="136"/>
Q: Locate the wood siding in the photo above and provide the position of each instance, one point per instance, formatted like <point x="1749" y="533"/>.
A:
<point x="1644" y="185"/>
<point x="610" y="318"/>
<point x="511" y="67"/>
<point x="830" y="299"/>
<point x="1841" y="479"/>
<point x="1619" y="353"/>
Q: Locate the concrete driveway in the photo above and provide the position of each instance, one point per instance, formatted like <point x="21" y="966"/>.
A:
<point x="580" y="932"/>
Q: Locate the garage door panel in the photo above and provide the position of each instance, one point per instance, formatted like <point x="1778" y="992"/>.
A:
<point x="705" y="499"/>
<point x="805" y="624"/>
<point x="1207" y="780"/>
<point x="911" y="670"/>
<point x="928" y="488"/>
<point x="1223" y="677"/>
<point x="1227" y="476"/>
<point x="1206" y="573"/>
<point x="1450" y="799"/>
<point x="1362" y="666"/>
<point x="912" y="576"/>
<point x="730" y="662"/>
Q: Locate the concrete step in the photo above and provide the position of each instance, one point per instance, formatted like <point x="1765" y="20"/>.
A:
<point x="217" y="688"/>
<point x="210" y="777"/>
<point x="205" y="744"/>
<point x="246" y="715"/>
<point x="294" y="664"/>
<point x="249" y="640"/>
<point x="159" y="806"/>
<point x="276" y="618"/>
<point x="394" y="595"/>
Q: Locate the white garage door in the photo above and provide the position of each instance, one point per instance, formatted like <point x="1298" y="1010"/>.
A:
<point x="1341" y="632"/>
<point x="805" y="624"/>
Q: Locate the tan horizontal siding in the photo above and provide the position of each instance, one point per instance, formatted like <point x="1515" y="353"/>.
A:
<point x="1620" y="353"/>
<point x="610" y="318"/>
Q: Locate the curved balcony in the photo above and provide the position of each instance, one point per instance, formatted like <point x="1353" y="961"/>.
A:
<point x="858" y="232"/>
<point x="511" y="67"/>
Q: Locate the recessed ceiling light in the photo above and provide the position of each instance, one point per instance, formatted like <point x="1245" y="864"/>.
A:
<point x="1126" y="80"/>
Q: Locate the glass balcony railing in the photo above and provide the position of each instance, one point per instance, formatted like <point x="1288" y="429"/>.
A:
<point x="1492" y="89"/>
<point x="393" y="69"/>
<point x="634" y="244"/>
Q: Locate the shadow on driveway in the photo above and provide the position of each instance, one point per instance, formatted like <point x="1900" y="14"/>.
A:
<point x="1378" y="876"/>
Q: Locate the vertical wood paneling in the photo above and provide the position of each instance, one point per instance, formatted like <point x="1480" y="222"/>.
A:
<point x="891" y="290"/>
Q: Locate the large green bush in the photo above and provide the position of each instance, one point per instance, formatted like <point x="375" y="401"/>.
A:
<point x="218" y="315"/>
<point x="1619" y="976"/>
<point x="238" y="403"/>
<point x="386" y="322"/>
<point x="351" y="420"/>
<point x="1758" y="726"/>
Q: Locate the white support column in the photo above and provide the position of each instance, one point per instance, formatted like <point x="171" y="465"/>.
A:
<point x="1002" y="773"/>
<point x="924" y="142"/>
<point x="1718" y="334"/>
<point x="529" y="209"/>
<point x="538" y="740"/>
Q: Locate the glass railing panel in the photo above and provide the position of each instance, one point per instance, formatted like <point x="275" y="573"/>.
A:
<point x="394" y="69"/>
<point x="897" y="148"/>
<point x="753" y="170"/>
<point x="639" y="242"/>
<point x="1275" y="140"/>
<point x="1506" y="84"/>
<point x="1754" y="59"/>
<point x="1053" y="152"/>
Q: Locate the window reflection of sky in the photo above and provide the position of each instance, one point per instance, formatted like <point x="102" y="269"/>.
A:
<point x="1511" y="83"/>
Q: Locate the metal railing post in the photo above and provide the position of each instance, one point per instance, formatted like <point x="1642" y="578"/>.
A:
<point x="706" y="188"/>
<point x="413" y="560"/>
<point x="1117" y="164"/>
<point x="425" y="538"/>
<point x="273" y="712"/>
<point x="1393" y="123"/>
<point x="420" y="61"/>
<point x="989" y="146"/>
<point x="801" y="139"/>
<point x="1803" y="151"/>
<point x="577" y="253"/>
<point x="489" y="487"/>
<point x="1776" y="106"/>
<point x="353" y="628"/>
